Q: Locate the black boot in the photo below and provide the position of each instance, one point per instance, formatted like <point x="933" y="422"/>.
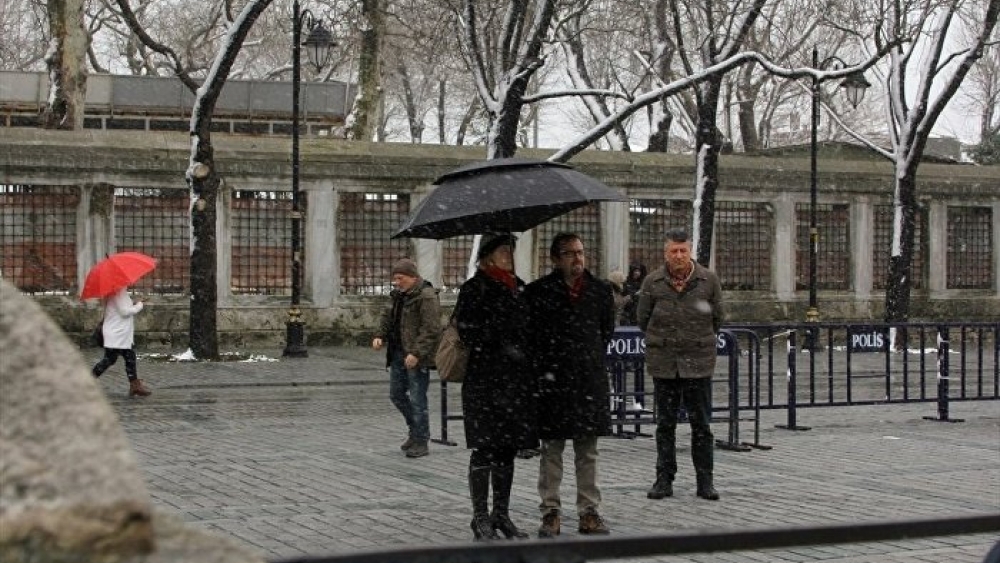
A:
<point x="479" y="491"/>
<point x="705" y="488"/>
<point x="503" y="479"/>
<point x="663" y="487"/>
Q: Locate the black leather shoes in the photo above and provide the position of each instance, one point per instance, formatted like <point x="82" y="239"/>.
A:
<point x="708" y="492"/>
<point x="662" y="488"/>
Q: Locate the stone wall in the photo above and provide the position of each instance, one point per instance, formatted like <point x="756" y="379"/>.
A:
<point x="95" y="159"/>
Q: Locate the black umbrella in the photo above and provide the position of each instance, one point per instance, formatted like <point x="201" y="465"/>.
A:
<point x="502" y="195"/>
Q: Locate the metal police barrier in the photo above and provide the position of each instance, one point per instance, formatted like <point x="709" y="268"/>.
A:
<point x="853" y="364"/>
<point x="626" y="355"/>
<point x="626" y="365"/>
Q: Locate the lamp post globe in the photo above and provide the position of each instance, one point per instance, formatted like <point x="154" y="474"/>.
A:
<point x="318" y="45"/>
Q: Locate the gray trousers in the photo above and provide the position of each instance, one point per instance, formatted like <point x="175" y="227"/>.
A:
<point x="550" y="474"/>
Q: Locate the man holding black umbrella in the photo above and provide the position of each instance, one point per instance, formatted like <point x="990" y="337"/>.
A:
<point x="571" y="321"/>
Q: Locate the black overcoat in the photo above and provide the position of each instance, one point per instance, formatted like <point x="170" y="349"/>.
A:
<point x="498" y="394"/>
<point x="568" y="345"/>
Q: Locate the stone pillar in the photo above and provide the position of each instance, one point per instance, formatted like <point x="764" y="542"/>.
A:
<point x="937" y="248"/>
<point x="95" y="227"/>
<point x="321" y="283"/>
<point x="427" y="253"/>
<point x="524" y="257"/>
<point x="783" y="256"/>
<point x="862" y="233"/>
<point x="614" y="242"/>
<point x="996" y="247"/>
<point x="224" y="244"/>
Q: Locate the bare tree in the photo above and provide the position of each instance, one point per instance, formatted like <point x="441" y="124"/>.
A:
<point x="22" y="26"/>
<point x="66" y="60"/>
<point x="503" y="47"/>
<point x="202" y="174"/>
<point x="365" y="114"/>
<point x="923" y="76"/>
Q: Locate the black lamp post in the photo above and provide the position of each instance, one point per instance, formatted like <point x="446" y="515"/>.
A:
<point x="318" y="45"/>
<point x="854" y="86"/>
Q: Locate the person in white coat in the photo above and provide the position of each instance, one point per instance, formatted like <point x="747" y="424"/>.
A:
<point x="119" y="339"/>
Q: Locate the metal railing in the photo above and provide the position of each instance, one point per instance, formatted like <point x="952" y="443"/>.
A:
<point x="723" y="541"/>
<point x="845" y="364"/>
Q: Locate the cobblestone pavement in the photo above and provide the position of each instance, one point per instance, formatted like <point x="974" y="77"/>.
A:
<point x="301" y="457"/>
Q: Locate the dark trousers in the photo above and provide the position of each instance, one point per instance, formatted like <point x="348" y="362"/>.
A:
<point x="111" y="356"/>
<point x="696" y="396"/>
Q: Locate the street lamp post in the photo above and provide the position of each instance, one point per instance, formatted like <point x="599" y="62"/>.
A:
<point x="854" y="86"/>
<point x="318" y="45"/>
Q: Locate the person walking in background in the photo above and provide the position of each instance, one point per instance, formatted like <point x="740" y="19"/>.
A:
<point x="571" y="321"/>
<point x="636" y="275"/>
<point x="680" y="311"/>
<point x="621" y="299"/>
<point x="118" y="330"/>
<point x="498" y="391"/>
<point x="411" y="326"/>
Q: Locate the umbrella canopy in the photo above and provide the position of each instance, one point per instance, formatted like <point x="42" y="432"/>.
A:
<point x="115" y="272"/>
<point x="502" y="195"/>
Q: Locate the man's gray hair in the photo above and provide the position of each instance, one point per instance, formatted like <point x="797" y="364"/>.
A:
<point x="677" y="235"/>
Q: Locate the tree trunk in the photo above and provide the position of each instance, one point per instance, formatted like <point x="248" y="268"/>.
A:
<point x="659" y="139"/>
<point x="202" y="331"/>
<point x="414" y="120"/>
<point x="707" y="147"/>
<point x="502" y="141"/>
<point x="897" y="292"/>
<point x="442" y="134"/>
<point x="364" y="115"/>
<point x="66" y="61"/>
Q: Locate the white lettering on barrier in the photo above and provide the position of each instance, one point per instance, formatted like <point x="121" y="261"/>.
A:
<point x="868" y="342"/>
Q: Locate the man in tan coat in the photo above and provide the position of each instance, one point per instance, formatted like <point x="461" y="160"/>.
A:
<point x="680" y="311"/>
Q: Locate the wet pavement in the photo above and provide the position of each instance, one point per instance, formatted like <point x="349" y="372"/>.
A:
<point x="301" y="457"/>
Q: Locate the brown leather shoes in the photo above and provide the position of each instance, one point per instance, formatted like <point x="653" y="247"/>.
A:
<point x="137" y="389"/>
<point x="551" y="524"/>
<point x="591" y="523"/>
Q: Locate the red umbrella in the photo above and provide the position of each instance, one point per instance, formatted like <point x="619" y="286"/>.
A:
<point x="115" y="272"/>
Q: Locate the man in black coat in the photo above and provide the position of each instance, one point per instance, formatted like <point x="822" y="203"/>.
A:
<point x="571" y="321"/>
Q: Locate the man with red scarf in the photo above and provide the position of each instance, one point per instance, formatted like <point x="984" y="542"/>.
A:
<point x="571" y="320"/>
<point x="680" y="311"/>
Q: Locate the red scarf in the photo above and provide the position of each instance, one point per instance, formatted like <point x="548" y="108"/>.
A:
<point x="576" y="290"/>
<point x="503" y="276"/>
<point x="680" y="281"/>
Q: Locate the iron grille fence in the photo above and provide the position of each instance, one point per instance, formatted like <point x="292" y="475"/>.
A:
<point x="649" y="220"/>
<point x="261" y="242"/>
<point x="586" y="222"/>
<point x="365" y="222"/>
<point x="743" y="244"/>
<point x="38" y="237"/>
<point x="883" y="245"/>
<point x="833" y="266"/>
<point x="455" y="254"/>
<point x="156" y="222"/>
<point x="970" y="248"/>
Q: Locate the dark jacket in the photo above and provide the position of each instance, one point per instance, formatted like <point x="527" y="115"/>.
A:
<point x="680" y="327"/>
<point x="498" y="394"/>
<point x="631" y="291"/>
<point x="569" y="342"/>
<point x="418" y="314"/>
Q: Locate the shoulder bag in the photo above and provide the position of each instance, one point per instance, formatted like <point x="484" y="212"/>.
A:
<point x="451" y="356"/>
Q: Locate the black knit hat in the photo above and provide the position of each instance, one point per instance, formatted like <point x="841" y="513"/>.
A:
<point x="492" y="241"/>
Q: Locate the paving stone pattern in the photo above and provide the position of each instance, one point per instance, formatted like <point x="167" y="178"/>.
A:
<point x="301" y="457"/>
